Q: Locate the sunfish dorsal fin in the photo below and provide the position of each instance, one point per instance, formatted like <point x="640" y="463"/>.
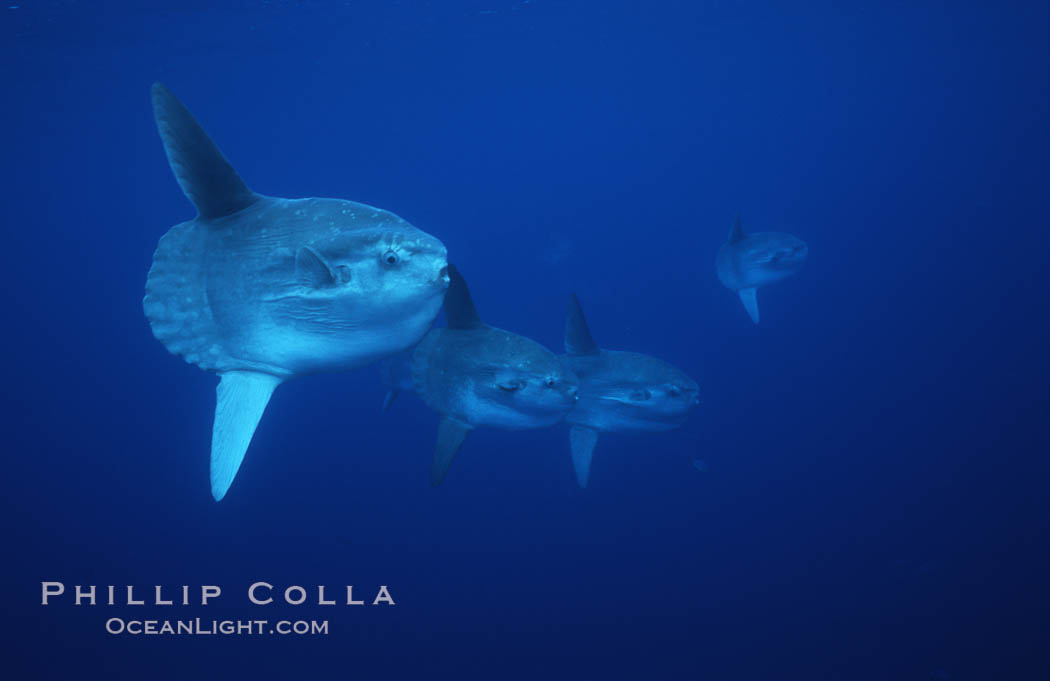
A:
<point x="750" y="301"/>
<point x="204" y="174"/>
<point x="241" y="399"/>
<point x="451" y="434"/>
<point x="737" y="232"/>
<point x="578" y="340"/>
<point x="581" y="442"/>
<point x="459" y="308"/>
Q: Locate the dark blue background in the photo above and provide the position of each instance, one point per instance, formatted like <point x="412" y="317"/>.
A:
<point x="877" y="500"/>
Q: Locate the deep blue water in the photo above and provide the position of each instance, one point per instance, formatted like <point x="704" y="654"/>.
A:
<point x="876" y="503"/>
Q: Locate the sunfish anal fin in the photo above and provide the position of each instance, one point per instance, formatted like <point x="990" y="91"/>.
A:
<point x="241" y="399"/>
<point x="578" y="339"/>
<point x="451" y="434"/>
<point x="204" y="174"/>
<point x="750" y="301"/>
<point x="581" y="442"/>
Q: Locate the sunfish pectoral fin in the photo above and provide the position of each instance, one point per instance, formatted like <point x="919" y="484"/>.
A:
<point x="581" y="442"/>
<point x="391" y="395"/>
<point x="241" y="399"/>
<point x="750" y="301"/>
<point x="311" y="270"/>
<point x="451" y="434"/>
<point x="203" y="172"/>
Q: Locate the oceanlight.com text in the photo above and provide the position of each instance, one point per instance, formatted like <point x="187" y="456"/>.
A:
<point x="198" y="627"/>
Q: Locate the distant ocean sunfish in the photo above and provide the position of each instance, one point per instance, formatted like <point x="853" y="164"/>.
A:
<point x="618" y="391"/>
<point x="747" y="261"/>
<point x="477" y="375"/>
<point x="261" y="289"/>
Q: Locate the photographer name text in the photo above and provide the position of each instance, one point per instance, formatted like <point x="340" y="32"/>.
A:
<point x="258" y="593"/>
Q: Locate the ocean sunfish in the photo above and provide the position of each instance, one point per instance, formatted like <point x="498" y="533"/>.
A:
<point x="747" y="261"/>
<point x="618" y="391"/>
<point x="476" y="375"/>
<point x="261" y="289"/>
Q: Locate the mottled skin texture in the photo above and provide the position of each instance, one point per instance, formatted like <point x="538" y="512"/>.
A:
<point x="629" y="391"/>
<point x="485" y="376"/>
<point x="227" y="293"/>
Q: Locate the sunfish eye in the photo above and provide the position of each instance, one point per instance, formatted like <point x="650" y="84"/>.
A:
<point x="641" y="395"/>
<point x="674" y="391"/>
<point x="550" y="382"/>
<point x="390" y="258"/>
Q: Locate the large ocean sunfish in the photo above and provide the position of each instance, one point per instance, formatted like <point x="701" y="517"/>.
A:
<point x="747" y="261"/>
<point x="261" y="289"/>
<point x="477" y="375"/>
<point x="618" y="391"/>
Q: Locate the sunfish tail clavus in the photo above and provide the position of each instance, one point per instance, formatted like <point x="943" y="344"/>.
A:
<point x="476" y="375"/>
<point x="618" y="391"/>
<point x="747" y="261"/>
<point x="261" y="289"/>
